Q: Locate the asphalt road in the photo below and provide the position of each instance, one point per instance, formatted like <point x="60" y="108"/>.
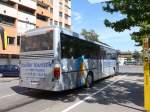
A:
<point x="121" y="93"/>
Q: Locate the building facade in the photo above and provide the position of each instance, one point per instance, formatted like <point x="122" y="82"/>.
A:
<point x="18" y="16"/>
<point x="124" y="56"/>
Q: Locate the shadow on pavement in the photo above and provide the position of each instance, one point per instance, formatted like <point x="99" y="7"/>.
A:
<point x="121" y="93"/>
<point x="132" y="74"/>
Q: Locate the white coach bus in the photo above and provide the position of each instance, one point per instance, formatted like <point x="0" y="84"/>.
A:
<point x="56" y="59"/>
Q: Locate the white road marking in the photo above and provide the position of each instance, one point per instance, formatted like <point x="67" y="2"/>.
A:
<point x="47" y="109"/>
<point x="88" y="97"/>
<point x="13" y="94"/>
<point x="7" y="96"/>
<point x="78" y="103"/>
<point x="7" y="80"/>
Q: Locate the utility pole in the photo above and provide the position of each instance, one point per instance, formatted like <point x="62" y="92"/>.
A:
<point x="146" y="75"/>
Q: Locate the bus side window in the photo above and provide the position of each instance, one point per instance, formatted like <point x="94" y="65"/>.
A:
<point x="71" y="52"/>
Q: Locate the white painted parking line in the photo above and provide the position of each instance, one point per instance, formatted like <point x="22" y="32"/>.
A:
<point x="8" y="80"/>
<point x="88" y="97"/>
<point x="9" y="95"/>
<point x="78" y="103"/>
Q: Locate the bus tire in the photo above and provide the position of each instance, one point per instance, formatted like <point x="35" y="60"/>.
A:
<point x="89" y="80"/>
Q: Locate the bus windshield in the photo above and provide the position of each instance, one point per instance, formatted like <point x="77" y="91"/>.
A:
<point x="37" y="42"/>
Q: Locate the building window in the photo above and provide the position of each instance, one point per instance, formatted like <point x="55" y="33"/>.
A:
<point x="60" y="24"/>
<point x="18" y="40"/>
<point x="26" y="10"/>
<point x="60" y="14"/>
<point x="66" y="16"/>
<point x="43" y="18"/>
<point x="7" y="20"/>
<point x="42" y="5"/>
<point x="60" y="5"/>
<point x="66" y="1"/>
<point x="8" y="3"/>
<point x="11" y="40"/>
<point x="51" y="21"/>
<point x="56" y="23"/>
<point x="67" y="26"/>
<point x="51" y="10"/>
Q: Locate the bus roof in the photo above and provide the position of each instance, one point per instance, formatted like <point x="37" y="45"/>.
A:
<point x="63" y="30"/>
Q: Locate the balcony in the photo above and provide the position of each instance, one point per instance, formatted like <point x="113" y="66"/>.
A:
<point x="43" y="2"/>
<point x="66" y="11"/>
<point x="26" y="17"/>
<point x="68" y="21"/>
<point x="69" y="12"/>
<point x="27" y="3"/>
<point x="69" y="4"/>
<point x="51" y="4"/>
<point x="8" y="11"/>
<point x="61" y="9"/>
<point x="40" y="23"/>
<point x="60" y="19"/>
<point x="43" y="12"/>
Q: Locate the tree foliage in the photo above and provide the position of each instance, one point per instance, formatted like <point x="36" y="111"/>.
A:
<point x="136" y="55"/>
<point x="137" y="14"/>
<point x="90" y="35"/>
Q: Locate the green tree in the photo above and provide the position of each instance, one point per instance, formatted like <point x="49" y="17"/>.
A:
<point x="90" y="35"/>
<point x="136" y="55"/>
<point x="136" y="14"/>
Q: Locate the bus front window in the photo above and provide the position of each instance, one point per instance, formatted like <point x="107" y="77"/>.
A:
<point x="37" y="42"/>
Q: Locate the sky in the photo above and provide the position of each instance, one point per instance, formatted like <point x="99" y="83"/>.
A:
<point x="88" y="14"/>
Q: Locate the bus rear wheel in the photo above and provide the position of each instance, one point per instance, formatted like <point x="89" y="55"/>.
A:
<point x="89" y="80"/>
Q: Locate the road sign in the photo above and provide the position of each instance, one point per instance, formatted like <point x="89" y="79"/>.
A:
<point x="146" y="74"/>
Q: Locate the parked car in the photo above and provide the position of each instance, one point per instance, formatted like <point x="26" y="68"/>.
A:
<point x="9" y="70"/>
